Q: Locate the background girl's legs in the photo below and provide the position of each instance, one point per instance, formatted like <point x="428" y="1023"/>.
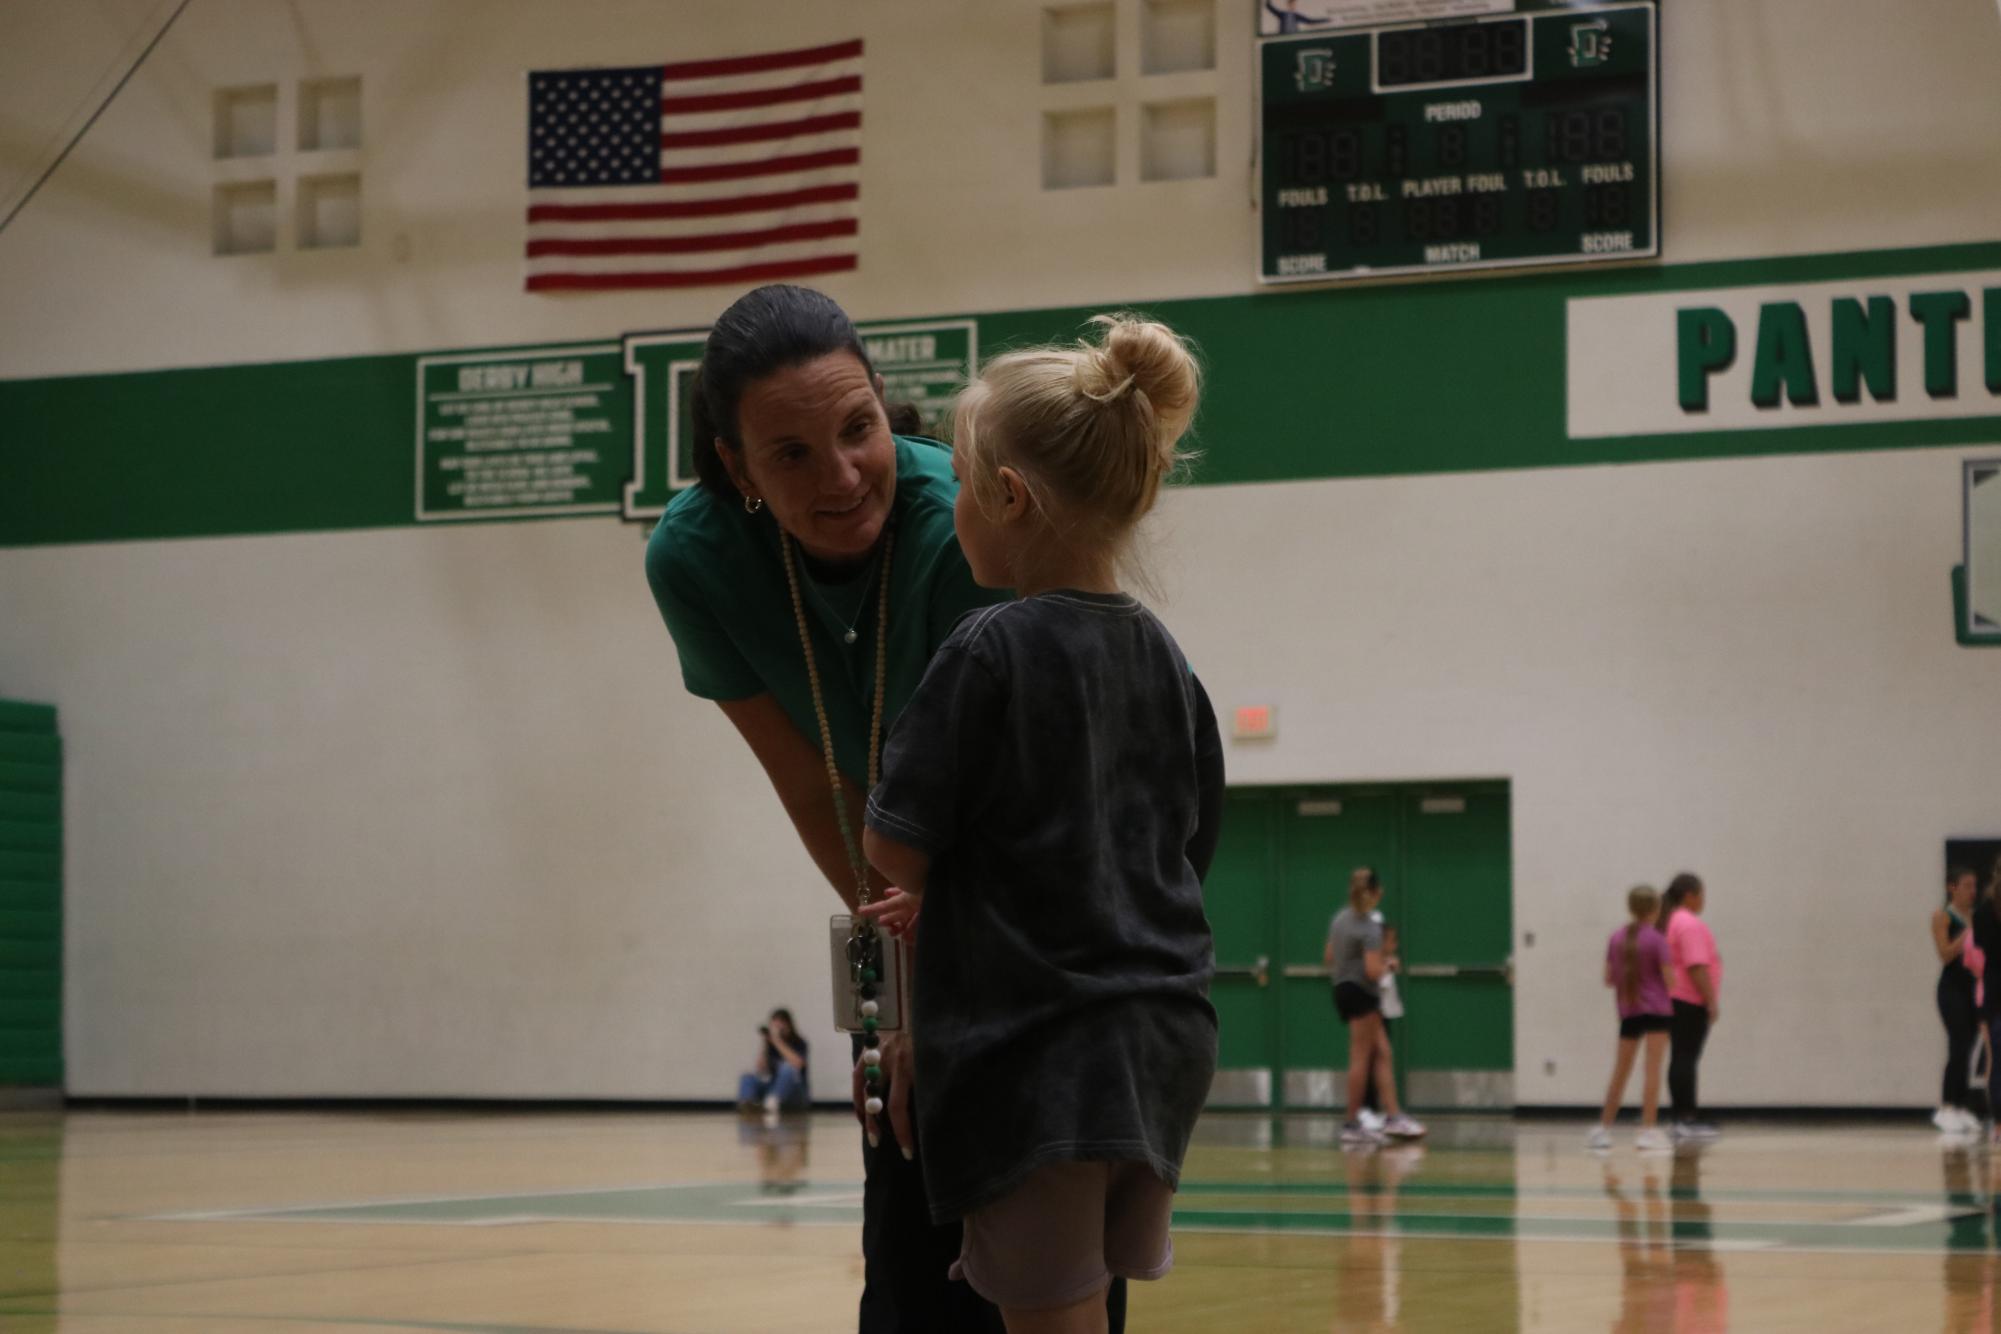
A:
<point x="1622" y="1070"/>
<point x="1690" y="1031"/>
<point x="1362" y="1037"/>
<point x="1372" y="1099"/>
<point x="1383" y="1069"/>
<point x="1955" y="1007"/>
<point x="1650" y="1085"/>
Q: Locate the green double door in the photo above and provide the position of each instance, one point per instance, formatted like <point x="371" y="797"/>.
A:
<point x="1281" y="872"/>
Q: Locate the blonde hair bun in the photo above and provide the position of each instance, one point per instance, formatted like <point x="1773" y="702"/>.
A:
<point x="1144" y="362"/>
<point x="1092" y="425"/>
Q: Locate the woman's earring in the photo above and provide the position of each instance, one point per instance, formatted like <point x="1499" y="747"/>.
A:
<point x="752" y="504"/>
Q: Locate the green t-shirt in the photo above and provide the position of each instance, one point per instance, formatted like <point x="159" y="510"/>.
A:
<point x="720" y="585"/>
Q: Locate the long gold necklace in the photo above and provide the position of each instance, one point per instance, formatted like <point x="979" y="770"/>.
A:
<point x="864" y="951"/>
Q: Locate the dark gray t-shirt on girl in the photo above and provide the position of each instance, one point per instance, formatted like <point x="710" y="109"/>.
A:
<point x="1353" y="935"/>
<point x="1060" y="764"/>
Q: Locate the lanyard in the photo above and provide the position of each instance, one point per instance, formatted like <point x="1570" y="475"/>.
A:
<point x="856" y="864"/>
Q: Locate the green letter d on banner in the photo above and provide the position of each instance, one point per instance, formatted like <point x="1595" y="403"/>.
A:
<point x="661" y="365"/>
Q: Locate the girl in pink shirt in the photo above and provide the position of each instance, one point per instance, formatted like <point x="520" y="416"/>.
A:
<point x="1636" y="968"/>
<point x="1697" y="981"/>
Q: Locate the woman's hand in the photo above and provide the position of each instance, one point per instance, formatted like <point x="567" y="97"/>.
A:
<point x="897" y="1072"/>
<point x="896" y="911"/>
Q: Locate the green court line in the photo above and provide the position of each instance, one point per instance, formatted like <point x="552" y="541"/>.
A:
<point x="1475" y="1190"/>
<point x="1974" y="1228"/>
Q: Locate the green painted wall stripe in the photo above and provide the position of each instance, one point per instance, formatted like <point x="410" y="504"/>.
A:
<point x="1339" y="382"/>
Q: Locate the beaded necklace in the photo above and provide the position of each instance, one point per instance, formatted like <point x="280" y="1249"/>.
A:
<point x="864" y="950"/>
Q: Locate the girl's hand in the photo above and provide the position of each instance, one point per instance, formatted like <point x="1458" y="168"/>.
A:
<point x="896" y="911"/>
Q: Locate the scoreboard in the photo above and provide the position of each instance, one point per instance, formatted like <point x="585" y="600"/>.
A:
<point x="1523" y="138"/>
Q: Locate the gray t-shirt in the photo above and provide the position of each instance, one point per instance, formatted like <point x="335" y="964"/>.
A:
<point x="1061" y="765"/>
<point x="1353" y="935"/>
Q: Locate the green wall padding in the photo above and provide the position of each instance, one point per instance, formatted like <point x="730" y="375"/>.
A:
<point x="31" y="842"/>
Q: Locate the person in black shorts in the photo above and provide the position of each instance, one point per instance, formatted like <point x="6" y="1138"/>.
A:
<point x="1356" y="963"/>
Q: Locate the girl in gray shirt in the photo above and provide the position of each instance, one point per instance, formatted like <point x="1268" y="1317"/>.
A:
<point x="1050" y="798"/>
<point x="1356" y="964"/>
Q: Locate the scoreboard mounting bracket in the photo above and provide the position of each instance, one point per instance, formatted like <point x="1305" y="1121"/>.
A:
<point x="1530" y="137"/>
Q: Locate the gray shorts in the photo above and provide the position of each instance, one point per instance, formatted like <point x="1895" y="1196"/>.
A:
<point x="1064" y="1232"/>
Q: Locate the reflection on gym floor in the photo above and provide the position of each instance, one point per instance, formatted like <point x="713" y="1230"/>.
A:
<point x="623" y="1223"/>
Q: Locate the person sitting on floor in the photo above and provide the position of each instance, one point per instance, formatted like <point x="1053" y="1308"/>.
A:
<point x="779" y="1083"/>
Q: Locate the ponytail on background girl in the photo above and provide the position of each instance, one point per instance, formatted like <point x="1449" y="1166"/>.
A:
<point x="1643" y="902"/>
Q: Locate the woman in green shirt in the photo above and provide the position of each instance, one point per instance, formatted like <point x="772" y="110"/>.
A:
<point x="798" y="467"/>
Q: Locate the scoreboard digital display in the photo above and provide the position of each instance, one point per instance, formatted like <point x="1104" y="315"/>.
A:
<point x="1527" y="138"/>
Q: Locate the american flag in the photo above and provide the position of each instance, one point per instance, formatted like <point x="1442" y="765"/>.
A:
<point x="733" y="171"/>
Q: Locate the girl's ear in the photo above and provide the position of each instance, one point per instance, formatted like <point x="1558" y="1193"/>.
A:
<point x="1015" y="499"/>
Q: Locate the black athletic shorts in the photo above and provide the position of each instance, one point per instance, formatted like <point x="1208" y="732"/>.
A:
<point x="1642" y="1024"/>
<point x="1352" y="1001"/>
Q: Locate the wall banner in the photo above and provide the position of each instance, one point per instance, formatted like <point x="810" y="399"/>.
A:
<point x="606" y="428"/>
<point x="1924" y="348"/>
<point x="509" y="434"/>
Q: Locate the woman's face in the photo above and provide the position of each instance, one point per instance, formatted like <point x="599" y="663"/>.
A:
<point x="1963" y="891"/>
<point x="818" y="452"/>
<point x="779" y="1026"/>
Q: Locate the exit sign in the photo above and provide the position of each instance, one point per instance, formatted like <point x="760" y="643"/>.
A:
<point x="1255" y="721"/>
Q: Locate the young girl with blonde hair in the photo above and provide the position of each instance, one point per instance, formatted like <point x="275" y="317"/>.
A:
<point x="1636" y="968"/>
<point x="1050" y="799"/>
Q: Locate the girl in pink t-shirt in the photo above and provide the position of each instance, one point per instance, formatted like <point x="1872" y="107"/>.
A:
<point x="1697" y="982"/>
<point x="1636" y="968"/>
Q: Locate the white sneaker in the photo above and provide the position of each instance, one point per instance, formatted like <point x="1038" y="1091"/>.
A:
<point x="771" y="1104"/>
<point x="1653" y="1141"/>
<point x="1371" y="1120"/>
<point x="1356" y="1133"/>
<point x="1402" y="1127"/>
<point x="1598" y="1140"/>
<point x="1945" y="1119"/>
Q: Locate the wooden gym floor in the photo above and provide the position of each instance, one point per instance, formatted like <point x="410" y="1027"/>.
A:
<point x="619" y="1223"/>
